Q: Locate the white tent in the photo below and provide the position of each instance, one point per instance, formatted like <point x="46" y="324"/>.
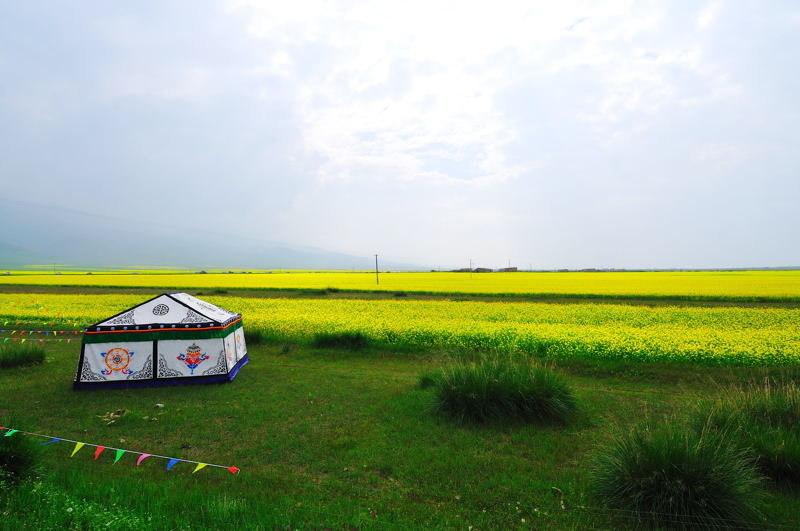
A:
<point x="174" y="338"/>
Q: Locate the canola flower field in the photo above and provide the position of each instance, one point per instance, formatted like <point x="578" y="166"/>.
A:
<point x="690" y="285"/>
<point x="749" y="336"/>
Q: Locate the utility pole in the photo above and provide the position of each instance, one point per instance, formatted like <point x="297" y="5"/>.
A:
<point x="377" y="280"/>
<point x="470" y="268"/>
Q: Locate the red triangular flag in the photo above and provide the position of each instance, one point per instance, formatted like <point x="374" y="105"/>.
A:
<point x="98" y="452"/>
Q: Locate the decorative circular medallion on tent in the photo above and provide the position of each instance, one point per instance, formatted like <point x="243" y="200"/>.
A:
<point x="117" y="359"/>
<point x="160" y="309"/>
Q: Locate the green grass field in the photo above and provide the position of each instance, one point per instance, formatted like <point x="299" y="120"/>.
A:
<point x="334" y="438"/>
<point x="325" y="439"/>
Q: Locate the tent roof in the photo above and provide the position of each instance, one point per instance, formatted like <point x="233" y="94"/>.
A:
<point x="169" y="309"/>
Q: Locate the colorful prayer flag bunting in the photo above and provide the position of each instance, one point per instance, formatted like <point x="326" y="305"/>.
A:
<point x="119" y="452"/>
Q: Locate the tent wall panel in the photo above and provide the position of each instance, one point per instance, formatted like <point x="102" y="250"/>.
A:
<point x="230" y="350"/>
<point x="241" y="346"/>
<point x="186" y="357"/>
<point x="117" y="361"/>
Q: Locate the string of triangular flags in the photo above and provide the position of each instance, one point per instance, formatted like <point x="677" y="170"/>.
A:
<point x="20" y="333"/>
<point x="118" y="452"/>
<point x="41" y="340"/>
<point x="45" y="332"/>
<point x="40" y="322"/>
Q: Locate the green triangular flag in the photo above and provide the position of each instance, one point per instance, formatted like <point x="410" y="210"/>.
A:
<point x="119" y="455"/>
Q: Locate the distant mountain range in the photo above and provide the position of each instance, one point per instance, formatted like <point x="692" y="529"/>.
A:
<point x="36" y="234"/>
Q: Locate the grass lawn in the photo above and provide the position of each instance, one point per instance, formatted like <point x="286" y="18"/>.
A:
<point x="326" y="438"/>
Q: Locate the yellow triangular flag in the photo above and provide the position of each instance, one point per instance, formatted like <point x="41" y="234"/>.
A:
<point x="199" y="467"/>
<point x="78" y="446"/>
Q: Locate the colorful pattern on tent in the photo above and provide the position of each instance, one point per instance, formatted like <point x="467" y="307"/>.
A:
<point x="193" y="357"/>
<point x="117" y="359"/>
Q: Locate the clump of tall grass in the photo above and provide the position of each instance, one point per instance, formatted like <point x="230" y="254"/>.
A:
<point x="253" y="336"/>
<point x="676" y="476"/>
<point x="429" y="379"/>
<point x="768" y="419"/>
<point x="344" y="340"/>
<point x="17" y="354"/>
<point x="19" y="457"/>
<point x="501" y="388"/>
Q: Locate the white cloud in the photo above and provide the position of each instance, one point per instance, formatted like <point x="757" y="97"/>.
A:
<point x="402" y="79"/>
<point x="707" y="15"/>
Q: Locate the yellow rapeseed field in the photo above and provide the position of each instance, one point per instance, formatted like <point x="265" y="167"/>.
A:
<point x="724" y="285"/>
<point x="724" y="335"/>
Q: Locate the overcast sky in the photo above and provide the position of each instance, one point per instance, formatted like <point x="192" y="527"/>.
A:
<point x="552" y="134"/>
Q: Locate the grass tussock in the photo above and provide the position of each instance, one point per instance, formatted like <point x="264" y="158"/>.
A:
<point x="501" y="388"/>
<point x="342" y="340"/>
<point x="676" y="476"/>
<point x="767" y="417"/>
<point x="253" y="336"/>
<point x="429" y="379"/>
<point x="19" y="457"/>
<point x="15" y="355"/>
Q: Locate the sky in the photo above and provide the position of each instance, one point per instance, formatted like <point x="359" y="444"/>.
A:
<point x="540" y="134"/>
